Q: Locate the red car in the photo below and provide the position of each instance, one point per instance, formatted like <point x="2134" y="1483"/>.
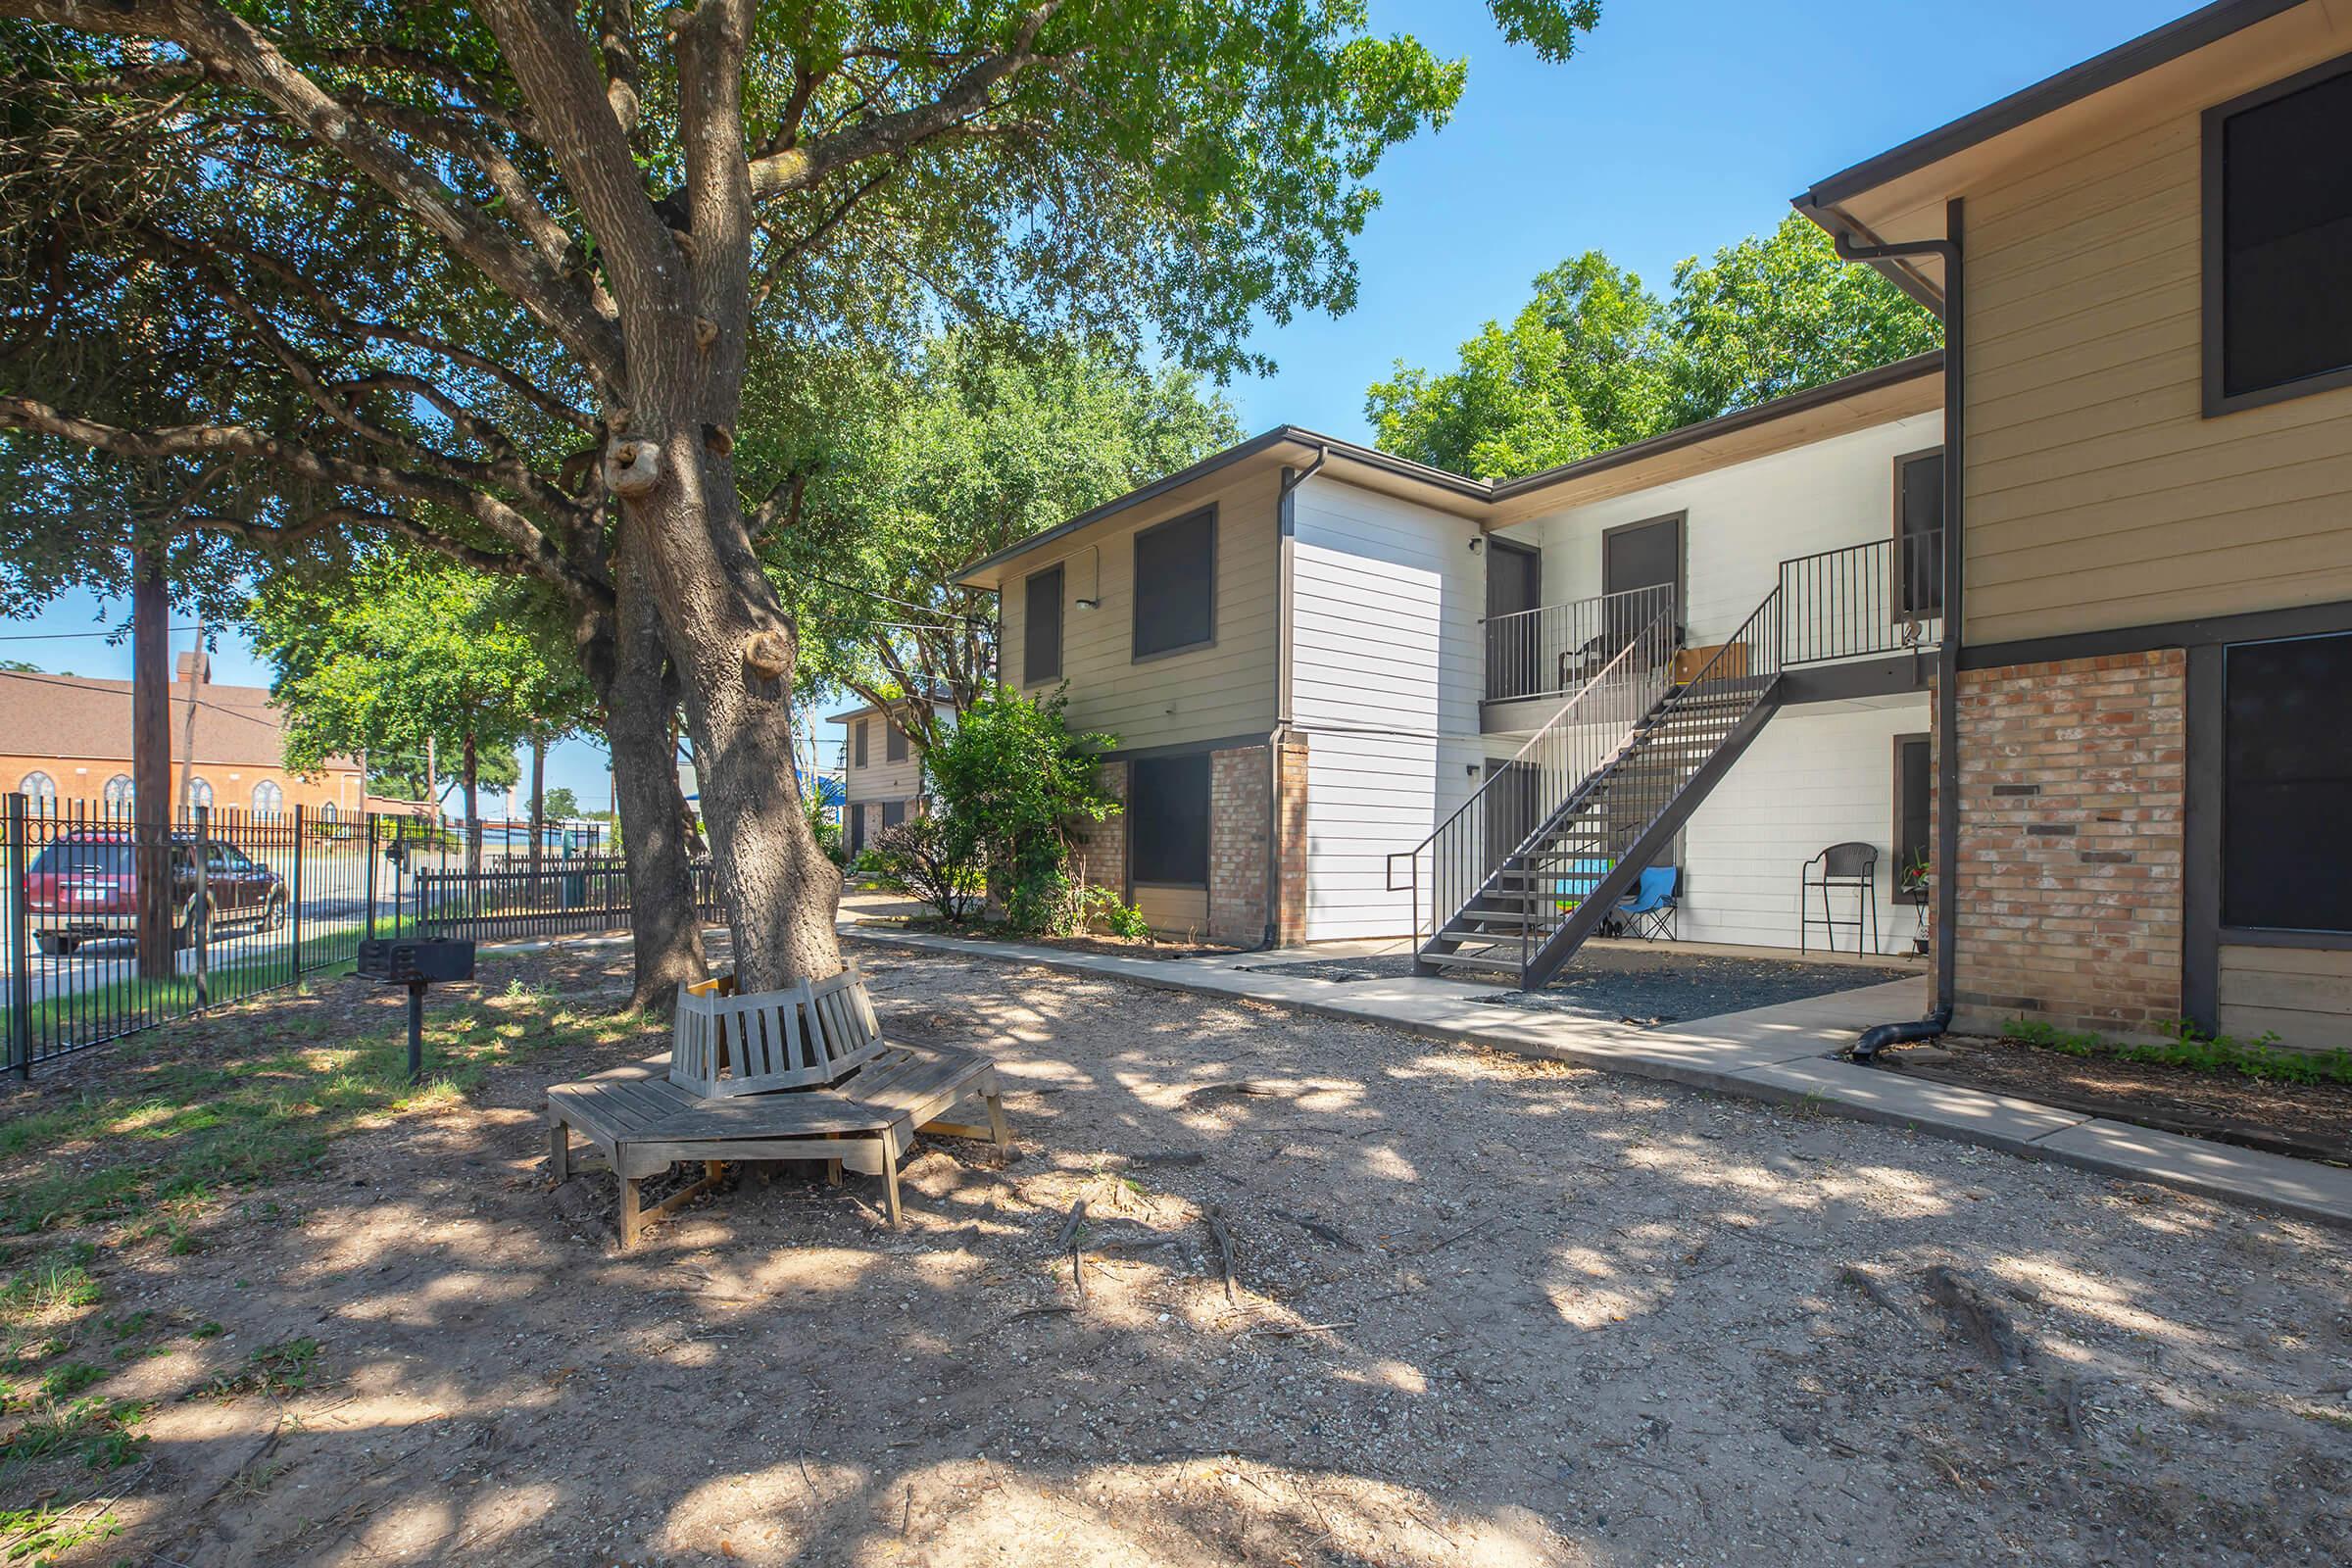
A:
<point x="87" y="885"/>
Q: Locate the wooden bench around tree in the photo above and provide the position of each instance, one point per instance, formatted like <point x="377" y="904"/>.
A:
<point x="643" y="1123"/>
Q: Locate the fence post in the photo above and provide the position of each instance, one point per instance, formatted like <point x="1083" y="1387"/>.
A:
<point x="371" y="815"/>
<point x="199" y="911"/>
<point x="19" y="972"/>
<point x="294" y="921"/>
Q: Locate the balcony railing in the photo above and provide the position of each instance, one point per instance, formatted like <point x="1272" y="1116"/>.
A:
<point x="1885" y="597"/>
<point x="1553" y="651"/>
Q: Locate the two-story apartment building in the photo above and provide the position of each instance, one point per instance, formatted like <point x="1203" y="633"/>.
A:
<point x="1349" y="689"/>
<point x="2145" y="263"/>
<point x="881" y="771"/>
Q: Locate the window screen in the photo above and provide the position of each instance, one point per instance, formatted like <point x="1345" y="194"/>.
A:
<point x="1041" y="628"/>
<point x="2286" y="244"/>
<point x="1914" y="814"/>
<point x="894" y="743"/>
<point x="1167" y="819"/>
<point x="1175" y="584"/>
<point x="892" y="813"/>
<point x="1919" y="534"/>
<point x="860" y="729"/>
<point x="2287" y="824"/>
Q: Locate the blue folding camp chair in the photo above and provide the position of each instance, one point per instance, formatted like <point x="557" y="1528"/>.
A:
<point x="1649" y="910"/>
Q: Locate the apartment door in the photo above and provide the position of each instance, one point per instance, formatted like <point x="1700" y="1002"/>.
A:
<point x="1642" y="554"/>
<point x="1514" y="586"/>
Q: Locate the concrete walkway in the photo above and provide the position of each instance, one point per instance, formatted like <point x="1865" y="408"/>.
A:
<point x="1783" y="1054"/>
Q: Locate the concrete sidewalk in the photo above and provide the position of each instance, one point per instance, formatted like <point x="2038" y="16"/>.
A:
<point x="1783" y="1054"/>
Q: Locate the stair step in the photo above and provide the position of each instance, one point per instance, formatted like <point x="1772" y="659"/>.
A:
<point x="1496" y="963"/>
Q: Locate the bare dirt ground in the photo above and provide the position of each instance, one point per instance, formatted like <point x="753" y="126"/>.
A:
<point x="1483" y="1311"/>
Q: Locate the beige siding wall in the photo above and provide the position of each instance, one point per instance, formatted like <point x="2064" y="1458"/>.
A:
<point x="2301" y="995"/>
<point x="1225" y="689"/>
<point x="879" y="780"/>
<point x="2098" y="494"/>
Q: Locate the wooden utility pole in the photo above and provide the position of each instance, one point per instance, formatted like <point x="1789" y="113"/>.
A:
<point x="151" y="762"/>
<point x="538" y="796"/>
<point x="188" y="741"/>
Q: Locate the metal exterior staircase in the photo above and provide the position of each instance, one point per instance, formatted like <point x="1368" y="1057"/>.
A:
<point x="1515" y="881"/>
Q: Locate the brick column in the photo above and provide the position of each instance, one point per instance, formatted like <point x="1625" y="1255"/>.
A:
<point x="1289" y="827"/>
<point x="1238" y="783"/>
<point x="2071" y="782"/>
<point x="1101" y="860"/>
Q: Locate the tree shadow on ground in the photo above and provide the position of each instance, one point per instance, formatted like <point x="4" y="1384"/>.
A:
<point x="1485" y="1311"/>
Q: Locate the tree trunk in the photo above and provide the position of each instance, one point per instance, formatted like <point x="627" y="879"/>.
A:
<point x="538" y="800"/>
<point x="151" y="762"/>
<point x="726" y="630"/>
<point x="627" y="661"/>
<point x="474" y="816"/>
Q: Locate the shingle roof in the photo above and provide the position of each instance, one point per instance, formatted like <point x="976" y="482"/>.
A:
<point x="73" y="716"/>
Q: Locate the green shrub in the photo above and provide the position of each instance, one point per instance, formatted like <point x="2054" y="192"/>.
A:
<point x="2187" y="1046"/>
<point x="934" y="859"/>
<point x="1122" y="920"/>
<point x="1012" y="779"/>
<point x="829" y="836"/>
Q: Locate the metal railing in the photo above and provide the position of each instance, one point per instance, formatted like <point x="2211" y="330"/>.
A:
<point x="1460" y="861"/>
<point x="1885" y="597"/>
<point x="560" y="897"/>
<point x="1554" y="650"/>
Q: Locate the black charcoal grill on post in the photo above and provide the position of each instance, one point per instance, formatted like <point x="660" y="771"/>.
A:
<point x="416" y="962"/>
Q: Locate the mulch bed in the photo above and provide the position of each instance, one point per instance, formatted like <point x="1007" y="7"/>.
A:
<point x="2309" y="1121"/>
<point x="1104" y="946"/>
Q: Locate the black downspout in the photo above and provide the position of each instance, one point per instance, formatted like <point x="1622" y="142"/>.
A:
<point x="1872" y="1041"/>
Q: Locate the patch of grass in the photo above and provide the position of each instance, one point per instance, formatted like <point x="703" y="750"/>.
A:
<point x="123" y="1327"/>
<point x="2189" y="1046"/>
<point x="56" y="1282"/>
<point x="39" y="1536"/>
<point x="207" y="1329"/>
<point x="176" y="1132"/>
<point x="98" y="1431"/>
<point x="274" y="1370"/>
<point x="63" y="1383"/>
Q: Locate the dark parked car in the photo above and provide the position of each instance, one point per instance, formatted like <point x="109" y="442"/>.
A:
<point x="87" y="885"/>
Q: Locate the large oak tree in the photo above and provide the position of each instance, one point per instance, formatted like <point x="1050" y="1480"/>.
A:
<point x="489" y="277"/>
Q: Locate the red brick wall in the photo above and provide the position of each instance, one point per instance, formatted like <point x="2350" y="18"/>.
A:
<point x="1237" y="845"/>
<point x="2069" y="894"/>
<point x="1290" y="917"/>
<point x="1103" y="845"/>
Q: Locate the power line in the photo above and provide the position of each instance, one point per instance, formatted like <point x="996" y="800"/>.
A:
<point x="62" y="636"/>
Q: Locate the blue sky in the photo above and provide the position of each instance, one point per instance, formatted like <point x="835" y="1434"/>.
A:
<point x="1681" y="126"/>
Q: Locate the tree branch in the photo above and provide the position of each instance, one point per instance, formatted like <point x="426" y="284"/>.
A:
<point x="234" y="48"/>
<point x="778" y="171"/>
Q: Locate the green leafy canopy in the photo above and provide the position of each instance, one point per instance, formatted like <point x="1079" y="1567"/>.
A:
<point x="1595" y="360"/>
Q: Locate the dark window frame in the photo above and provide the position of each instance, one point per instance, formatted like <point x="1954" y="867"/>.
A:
<point x="2240" y="933"/>
<point x="1928" y="823"/>
<point x="1898" y="595"/>
<point x="895" y="747"/>
<point x="1030" y="585"/>
<point x="1136" y="655"/>
<point x="858" y="745"/>
<point x="2214" y="252"/>
<point x="1137" y="819"/>
<point x="890" y="822"/>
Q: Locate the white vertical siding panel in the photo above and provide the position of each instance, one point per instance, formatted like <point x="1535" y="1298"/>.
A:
<point x="1386" y="664"/>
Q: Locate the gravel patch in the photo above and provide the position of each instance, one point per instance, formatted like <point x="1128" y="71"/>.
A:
<point x="1651" y="987"/>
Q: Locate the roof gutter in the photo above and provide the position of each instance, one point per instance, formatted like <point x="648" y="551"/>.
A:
<point x="1955" y="622"/>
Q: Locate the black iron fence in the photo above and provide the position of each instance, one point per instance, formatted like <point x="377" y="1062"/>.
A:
<point x="112" y="923"/>
<point x="517" y="899"/>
